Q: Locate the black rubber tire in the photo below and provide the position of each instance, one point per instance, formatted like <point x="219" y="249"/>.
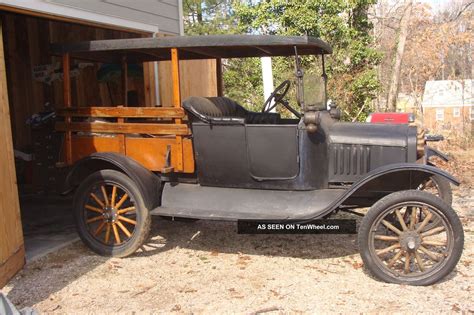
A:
<point x="444" y="189"/>
<point x="143" y="218"/>
<point x="386" y="204"/>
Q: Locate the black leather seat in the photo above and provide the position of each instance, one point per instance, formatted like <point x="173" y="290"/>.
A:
<point x="223" y="110"/>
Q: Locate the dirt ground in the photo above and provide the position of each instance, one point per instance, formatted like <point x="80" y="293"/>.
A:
<point x="206" y="267"/>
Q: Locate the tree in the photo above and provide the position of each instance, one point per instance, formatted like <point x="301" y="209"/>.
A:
<point x="438" y="46"/>
<point x="353" y="82"/>
<point x="204" y="17"/>
<point x="397" y="65"/>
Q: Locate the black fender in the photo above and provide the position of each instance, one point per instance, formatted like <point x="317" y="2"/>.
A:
<point x="396" y="177"/>
<point x="386" y="180"/>
<point x="429" y="152"/>
<point x="148" y="182"/>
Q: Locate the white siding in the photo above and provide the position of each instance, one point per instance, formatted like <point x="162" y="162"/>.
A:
<point x="449" y="93"/>
<point x="145" y="15"/>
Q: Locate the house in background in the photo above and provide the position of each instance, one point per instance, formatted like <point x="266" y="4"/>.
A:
<point x="448" y="105"/>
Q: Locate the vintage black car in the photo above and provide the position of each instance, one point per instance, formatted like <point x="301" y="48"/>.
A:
<point x="210" y="158"/>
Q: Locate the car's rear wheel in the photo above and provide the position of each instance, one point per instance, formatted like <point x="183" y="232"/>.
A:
<point x="399" y="244"/>
<point x="110" y="214"/>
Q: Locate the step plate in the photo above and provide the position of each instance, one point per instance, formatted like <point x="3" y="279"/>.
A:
<point x="216" y="203"/>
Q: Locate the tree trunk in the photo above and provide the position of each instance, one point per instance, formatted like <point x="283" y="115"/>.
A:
<point x="397" y="65"/>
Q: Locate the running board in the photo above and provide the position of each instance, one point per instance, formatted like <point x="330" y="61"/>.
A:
<point x="216" y="203"/>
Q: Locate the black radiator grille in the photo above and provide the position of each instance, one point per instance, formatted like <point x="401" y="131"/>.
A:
<point x="349" y="161"/>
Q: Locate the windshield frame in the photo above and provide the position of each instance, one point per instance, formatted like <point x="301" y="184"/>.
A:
<point x="300" y="85"/>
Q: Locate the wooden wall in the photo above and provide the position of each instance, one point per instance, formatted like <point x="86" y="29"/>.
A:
<point x="27" y="41"/>
<point x="197" y="77"/>
<point x="12" y="251"/>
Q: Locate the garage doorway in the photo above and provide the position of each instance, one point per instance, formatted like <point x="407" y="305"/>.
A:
<point x="32" y="78"/>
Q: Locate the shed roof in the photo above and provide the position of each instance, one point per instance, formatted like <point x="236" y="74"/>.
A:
<point x="193" y="47"/>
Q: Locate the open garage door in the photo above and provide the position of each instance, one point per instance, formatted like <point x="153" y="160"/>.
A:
<point x="12" y="251"/>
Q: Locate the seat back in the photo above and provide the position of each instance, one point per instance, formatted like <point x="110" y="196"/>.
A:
<point x="214" y="110"/>
<point x="223" y="110"/>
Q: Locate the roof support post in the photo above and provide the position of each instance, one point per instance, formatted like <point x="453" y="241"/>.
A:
<point x="177" y="104"/>
<point x="121" y="136"/>
<point x="220" y="84"/>
<point x="267" y="75"/>
<point x="125" y="80"/>
<point x="67" y="104"/>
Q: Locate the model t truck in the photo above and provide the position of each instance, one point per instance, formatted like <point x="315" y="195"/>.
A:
<point x="210" y="158"/>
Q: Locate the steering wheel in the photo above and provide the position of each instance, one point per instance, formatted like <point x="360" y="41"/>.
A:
<point x="277" y="97"/>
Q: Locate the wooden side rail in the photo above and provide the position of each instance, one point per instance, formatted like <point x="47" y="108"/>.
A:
<point x="122" y="112"/>
<point x="154" y="129"/>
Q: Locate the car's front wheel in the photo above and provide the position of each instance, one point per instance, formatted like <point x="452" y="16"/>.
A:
<point x="411" y="237"/>
<point x="110" y="214"/>
<point x="438" y="186"/>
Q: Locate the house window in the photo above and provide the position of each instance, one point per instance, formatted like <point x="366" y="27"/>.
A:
<point x="456" y="112"/>
<point x="440" y="114"/>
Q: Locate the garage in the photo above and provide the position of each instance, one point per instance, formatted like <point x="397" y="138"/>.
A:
<point x="35" y="217"/>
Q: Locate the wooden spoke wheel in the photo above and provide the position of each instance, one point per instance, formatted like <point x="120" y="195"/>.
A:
<point x="411" y="237"/>
<point x="110" y="214"/>
<point x="438" y="186"/>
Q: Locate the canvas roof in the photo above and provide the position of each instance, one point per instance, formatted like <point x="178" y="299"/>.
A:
<point x="193" y="47"/>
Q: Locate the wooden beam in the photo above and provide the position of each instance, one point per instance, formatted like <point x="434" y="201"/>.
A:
<point x="12" y="265"/>
<point x="202" y="52"/>
<point x="125" y="80"/>
<point x="122" y="112"/>
<point x="154" y="129"/>
<point x="264" y="50"/>
<point x="121" y="137"/>
<point x="67" y="103"/>
<point x="175" y="78"/>
<point x="12" y="253"/>
<point x="219" y="80"/>
<point x="67" y="80"/>
<point x="177" y="104"/>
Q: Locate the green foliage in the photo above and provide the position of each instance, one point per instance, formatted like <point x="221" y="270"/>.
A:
<point x="352" y="80"/>
<point x="243" y="82"/>
<point x="205" y="17"/>
<point x="242" y="77"/>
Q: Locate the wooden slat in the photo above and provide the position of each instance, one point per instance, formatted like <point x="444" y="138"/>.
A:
<point x="151" y="152"/>
<point x="219" y="79"/>
<point x="149" y="83"/>
<point x="189" y="70"/>
<point x="12" y="254"/>
<point x="177" y="104"/>
<point x="122" y="112"/>
<point x="67" y="103"/>
<point x="155" y="129"/>
<point x="27" y="44"/>
<point x="125" y="80"/>
<point x="10" y="267"/>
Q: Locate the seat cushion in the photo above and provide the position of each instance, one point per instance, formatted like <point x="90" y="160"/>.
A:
<point x="213" y="109"/>
<point x="223" y="110"/>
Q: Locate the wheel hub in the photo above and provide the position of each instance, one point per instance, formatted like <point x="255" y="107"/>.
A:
<point x="410" y="241"/>
<point x="110" y="214"/>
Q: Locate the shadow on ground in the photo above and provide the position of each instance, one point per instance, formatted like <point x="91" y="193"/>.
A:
<point x="222" y="237"/>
